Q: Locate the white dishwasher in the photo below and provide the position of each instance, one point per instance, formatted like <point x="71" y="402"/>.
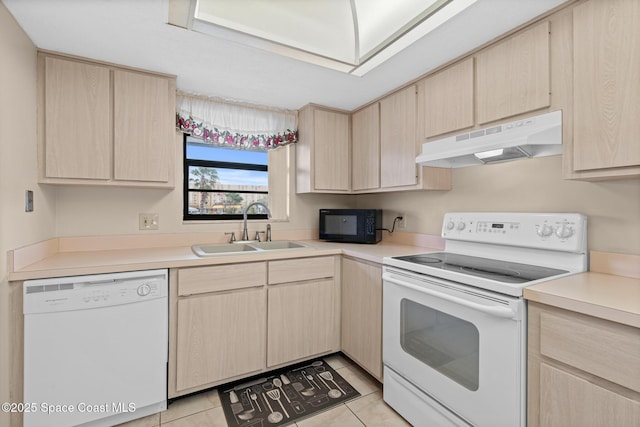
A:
<point x="95" y="348"/>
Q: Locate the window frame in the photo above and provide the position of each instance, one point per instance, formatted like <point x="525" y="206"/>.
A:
<point x="186" y="216"/>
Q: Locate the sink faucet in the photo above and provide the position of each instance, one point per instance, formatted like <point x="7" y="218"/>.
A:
<point x="245" y="232"/>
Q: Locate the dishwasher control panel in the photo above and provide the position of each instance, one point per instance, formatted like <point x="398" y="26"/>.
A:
<point x="82" y="292"/>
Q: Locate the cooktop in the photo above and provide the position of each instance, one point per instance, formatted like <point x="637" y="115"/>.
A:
<point x="501" y="271"/>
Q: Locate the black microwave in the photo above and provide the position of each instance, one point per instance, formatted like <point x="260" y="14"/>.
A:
<point x="351" y="225"/>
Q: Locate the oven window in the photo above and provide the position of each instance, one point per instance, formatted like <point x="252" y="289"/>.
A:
<point x="446" y="343"/>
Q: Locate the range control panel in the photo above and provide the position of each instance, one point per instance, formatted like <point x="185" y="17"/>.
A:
<point x="552" y="231"/>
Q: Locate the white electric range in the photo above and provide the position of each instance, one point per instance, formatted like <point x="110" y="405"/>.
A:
<point x="454" y="322"/>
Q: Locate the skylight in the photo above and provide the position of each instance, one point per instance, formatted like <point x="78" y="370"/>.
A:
<point x="353" y="36"/>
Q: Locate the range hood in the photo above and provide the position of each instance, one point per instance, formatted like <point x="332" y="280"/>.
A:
<point x="531" y="137"/>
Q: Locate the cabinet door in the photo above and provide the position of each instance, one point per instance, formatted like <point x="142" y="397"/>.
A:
<point x="365" y="126"/>
<point x="143" y="127"/>
<point x="331" y="151"/>
<point x="362" y="314"/>
<point x="398" y="139"/>
<point x="77" y="125"/>
<point x="606" y="73"/>
<point x="568" y="400"/>
<point x="446" y="100"/>
<point x="220" y="336"/>
<point x="513" y="76"/>
<point x="304" y="320"/>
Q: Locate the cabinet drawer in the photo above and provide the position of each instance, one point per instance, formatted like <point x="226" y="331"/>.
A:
<point x="221" y="278"/>
<point x="294" y="270"/>
<point x="606" y="349"/>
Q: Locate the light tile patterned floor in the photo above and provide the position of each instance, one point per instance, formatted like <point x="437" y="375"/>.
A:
<point x="204" y="410"/>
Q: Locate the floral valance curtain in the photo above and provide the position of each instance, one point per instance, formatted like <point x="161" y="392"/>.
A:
<point x="235" y="125"/>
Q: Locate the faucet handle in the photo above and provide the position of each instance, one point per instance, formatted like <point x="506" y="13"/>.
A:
<point x="233" y="236"/>
<point x="258" y="235"/>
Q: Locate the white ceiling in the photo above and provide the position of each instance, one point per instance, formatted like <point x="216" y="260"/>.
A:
<point x="135" y="33"/>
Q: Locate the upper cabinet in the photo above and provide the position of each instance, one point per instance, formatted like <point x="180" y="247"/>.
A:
<point x="365" y="139"/>
<point x="513" y="76"/>
<point x="606" y="88"/>
<point x="445" y="100"/>
<point x="323" y="151"/>
<point x="77" y="104"/>
<point x="398" y="143"/>
<point x="385" y="145"/>
<point x="104" y="125"/>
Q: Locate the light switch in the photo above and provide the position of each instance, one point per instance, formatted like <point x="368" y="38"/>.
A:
<point x="28" y="201"/>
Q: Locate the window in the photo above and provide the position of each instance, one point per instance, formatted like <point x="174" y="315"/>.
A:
<point x="220" y="182"/>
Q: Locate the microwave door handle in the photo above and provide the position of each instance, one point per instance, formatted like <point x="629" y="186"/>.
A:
<point x="494" y="311"/>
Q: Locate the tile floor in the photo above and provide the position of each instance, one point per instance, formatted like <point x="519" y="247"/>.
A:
<point x="204" y="410"/>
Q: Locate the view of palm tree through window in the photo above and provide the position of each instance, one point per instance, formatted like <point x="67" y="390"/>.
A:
<point x="221" y="182"/>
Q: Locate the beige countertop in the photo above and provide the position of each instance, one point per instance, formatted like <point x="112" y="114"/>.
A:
<point x="72" y="263"/>
<point x="610" y="291"/>
<point x="598" y="294"/>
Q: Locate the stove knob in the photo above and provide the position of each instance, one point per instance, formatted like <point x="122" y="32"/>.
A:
<point x="450" y="225"/>
<point x="461" y="226"/>
<point x="545" y="231"/>
<point x="564" y="231"/>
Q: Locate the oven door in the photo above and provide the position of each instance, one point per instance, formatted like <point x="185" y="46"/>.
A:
<point x="461" y="346"/>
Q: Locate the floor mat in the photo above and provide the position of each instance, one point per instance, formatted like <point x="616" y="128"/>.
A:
<point x="284" y="396"/>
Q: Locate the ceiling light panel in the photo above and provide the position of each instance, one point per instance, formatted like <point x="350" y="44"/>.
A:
<point x="324" y="28"/>
<point x="380" y="21"/>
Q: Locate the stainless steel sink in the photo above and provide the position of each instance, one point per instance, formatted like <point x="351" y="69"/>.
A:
<point x="238" y="248"/>
<point x="278" y="245"/>
<point x="221" y="249"/>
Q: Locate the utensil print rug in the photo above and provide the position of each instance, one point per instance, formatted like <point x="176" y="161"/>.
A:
<point x="284" y="396"/>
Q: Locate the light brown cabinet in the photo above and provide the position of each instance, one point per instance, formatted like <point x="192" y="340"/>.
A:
<point x="513" y="76"/>
<point x="303" y="309"/>
<point x="384" y="147"/>
<point x="446" y="101"/>
<point x="582" y="370"/>
<point x="218" y="331"/>
<point x="362" y="314"/>
<point x="398" y="143"/>
<point x="104" y="125"/>
<point x="228" y="321"/>
<point x="323" y="151"/>
<point x="365" y="167"/>
<point x="76" y="107"/>
<point x="606" y="79"/>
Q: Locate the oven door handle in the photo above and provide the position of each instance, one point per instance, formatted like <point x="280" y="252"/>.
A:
<point x="494" y="311"/>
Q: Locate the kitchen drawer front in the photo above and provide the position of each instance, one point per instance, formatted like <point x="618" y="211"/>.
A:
<point x="569" y="400"/>
<point x="606" y="349"/>
<point x="295" y="270"/>
<point x="221" y="278"/>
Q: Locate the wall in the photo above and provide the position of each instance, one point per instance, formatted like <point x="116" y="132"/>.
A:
<point x="17" y="170"/>
<point x="97" y="211"/>
<point x="536" y="185"/>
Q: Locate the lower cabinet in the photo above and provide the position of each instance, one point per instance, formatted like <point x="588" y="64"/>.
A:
<point x="218" y="325"/>
<point x="220" y="336"/>
<point x="582" y="370"/>
<point x="362" y="314"/>
<point x="303" y="309"/>
<point x="228" y="321"/>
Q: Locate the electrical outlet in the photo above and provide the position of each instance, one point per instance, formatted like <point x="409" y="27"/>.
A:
<point x="402" y="223"/>
<point x="148" y="221"/>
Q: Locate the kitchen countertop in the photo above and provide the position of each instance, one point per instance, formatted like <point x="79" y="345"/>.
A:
<point x="606" y="293"/>
<point x="75" y="263"/>
<point x="607" y="296"/>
